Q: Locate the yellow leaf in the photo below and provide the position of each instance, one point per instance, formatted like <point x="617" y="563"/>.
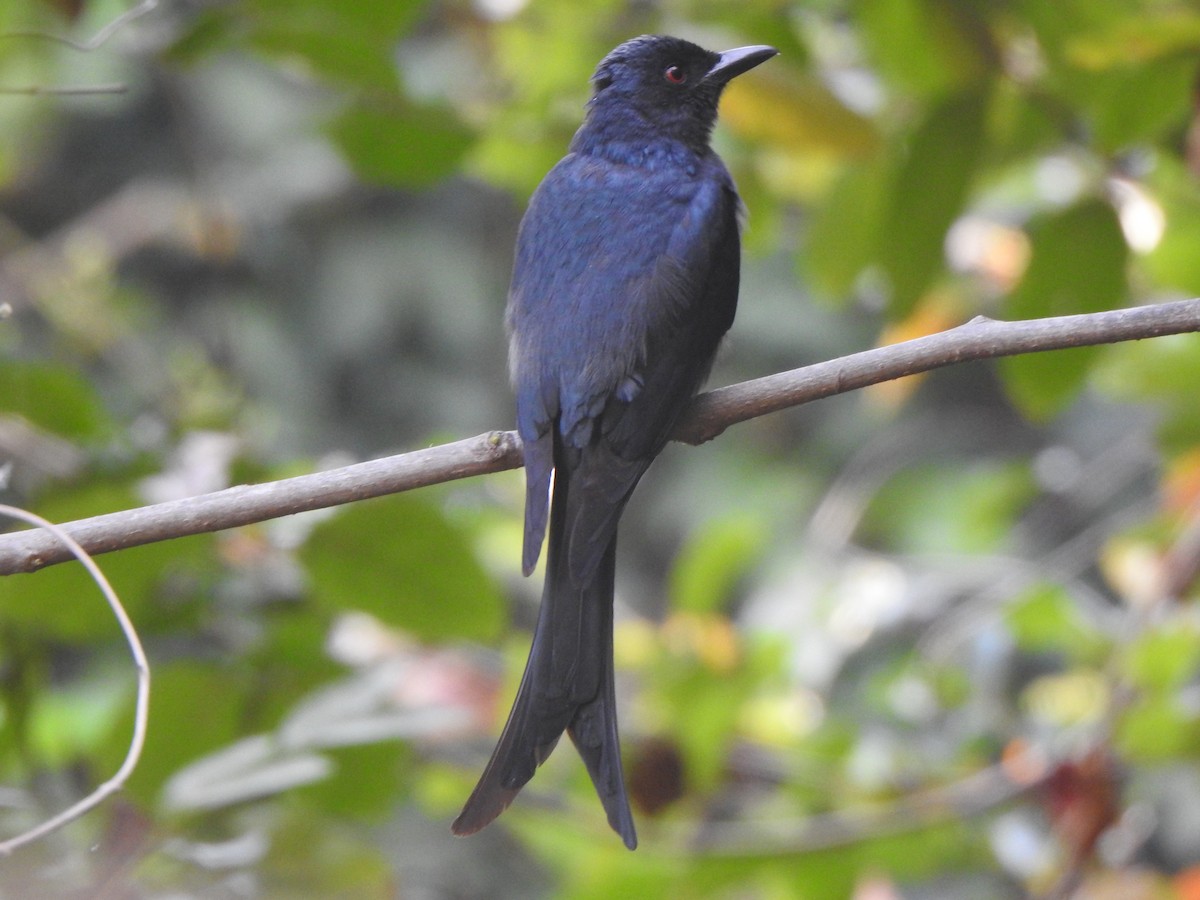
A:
<point x="935" y="312"/>
<point x="799" y="115"/>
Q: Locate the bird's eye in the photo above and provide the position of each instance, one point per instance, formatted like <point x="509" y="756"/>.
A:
<point x="675" y="75"/>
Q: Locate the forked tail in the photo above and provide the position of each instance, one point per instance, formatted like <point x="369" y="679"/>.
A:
<point x="567" y="686"/>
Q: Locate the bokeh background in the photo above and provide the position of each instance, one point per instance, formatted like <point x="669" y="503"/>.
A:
<point x="934" y="639"/>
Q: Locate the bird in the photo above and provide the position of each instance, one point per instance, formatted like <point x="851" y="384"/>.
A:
<point x="625" y="280"/>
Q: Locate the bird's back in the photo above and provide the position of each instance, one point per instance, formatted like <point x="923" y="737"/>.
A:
<point x="619" y="267"/>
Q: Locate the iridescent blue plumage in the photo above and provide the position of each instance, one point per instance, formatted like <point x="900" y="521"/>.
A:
<point x="625" y="281"/>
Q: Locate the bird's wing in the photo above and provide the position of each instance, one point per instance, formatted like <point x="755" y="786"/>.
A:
<point x="697" y="283"/>
<point x="624" y="283"/>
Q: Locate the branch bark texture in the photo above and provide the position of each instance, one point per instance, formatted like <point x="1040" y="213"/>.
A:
<point x="707" y="416"/>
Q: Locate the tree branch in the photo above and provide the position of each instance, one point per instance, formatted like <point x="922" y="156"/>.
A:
<point x="707" y="416"/>
<point x="981" y="338"/>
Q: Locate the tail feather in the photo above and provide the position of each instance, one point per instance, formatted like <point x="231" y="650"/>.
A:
<point x="567" y="686"/>
<point x="533" y="729"/>
<point x="593" y="730"/>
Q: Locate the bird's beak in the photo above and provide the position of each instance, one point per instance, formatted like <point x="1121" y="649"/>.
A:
<point x="734" y="62"/>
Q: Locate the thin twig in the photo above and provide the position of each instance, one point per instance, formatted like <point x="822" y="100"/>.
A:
<point x="99" y="39"/>
<point x="142" y="705"/>
<point x="971" y="796"/>
<point x="66" y="90"/>
<point x="707" y="416"/>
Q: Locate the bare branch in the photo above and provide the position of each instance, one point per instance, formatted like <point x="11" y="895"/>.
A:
<point x="27" y="551"/>
<point x="981" y="338"/>
<point x="708" y="415"/>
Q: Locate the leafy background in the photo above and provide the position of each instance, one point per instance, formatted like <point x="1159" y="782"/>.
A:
<point x="935" y="639"/>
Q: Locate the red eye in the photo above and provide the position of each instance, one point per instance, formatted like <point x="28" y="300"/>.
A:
<point x="675" y="75"/>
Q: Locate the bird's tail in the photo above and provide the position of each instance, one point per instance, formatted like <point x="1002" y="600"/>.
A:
<point x="567" y="686"/>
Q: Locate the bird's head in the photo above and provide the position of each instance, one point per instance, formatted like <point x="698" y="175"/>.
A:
<point x="667" y="85"/>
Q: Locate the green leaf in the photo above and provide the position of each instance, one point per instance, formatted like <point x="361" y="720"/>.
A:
<point x="798" y="116"/>
<point x="588" y="864"/>
<point x="194" y="710"/>
<point x="1042" y="384"/>
<point x="920" y="850"/>
<point x="1163" y="373"/>
<point x="52" y="397"/>
<point x="335" y="54"/>
<point x="928" y="193"/>
<point x="1162" y="369"/>
<point x="399" y="144"/>
<point x="929" y="46"/>
<point x="349" y="43"/>
<point x="716" y="556"/>
<point x="75" y="719"/>
<point x="315" y="856"/>
<point x="386" y="18"/>
<point x="1137" y="104"/>
<point x="1174" y="263"/>
<point x="1077" y="266"/>
<point x="713" y="703"/>
<point x="1138" y="38"/>
<point x="845" y="229"/>
<point x="1021" y="127"/>
<point x="1163" y="659"/>
<point x="1123" y="69"/>
<point x="366" y="784"/>
<point x="401" y="560"/>
<point x="507" y="157"/>
<point x="1045" y="619"/>
<point x="292" y="658"/>
<point x="936" y="509"/>
<point x="208" y="33"/>
<point x="1157" y="729"/>
<point x="1059" y="25"/>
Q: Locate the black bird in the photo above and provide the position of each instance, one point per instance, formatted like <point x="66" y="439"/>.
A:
<point x="626" y="278"/>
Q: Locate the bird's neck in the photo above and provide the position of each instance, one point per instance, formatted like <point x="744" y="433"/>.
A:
<point x="626" y="136"/>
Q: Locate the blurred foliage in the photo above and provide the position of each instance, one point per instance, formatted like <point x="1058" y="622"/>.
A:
<point x="929" y="641"/>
